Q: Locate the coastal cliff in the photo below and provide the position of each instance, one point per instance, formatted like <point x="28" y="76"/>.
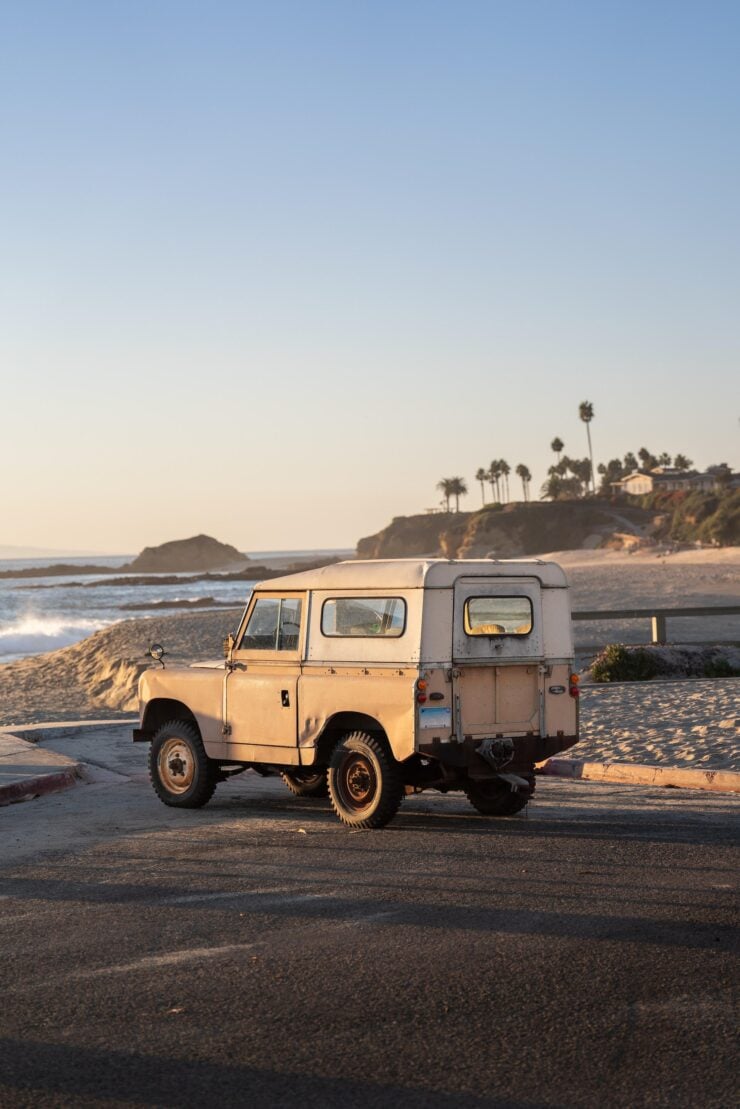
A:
<point x="508" y="531"/>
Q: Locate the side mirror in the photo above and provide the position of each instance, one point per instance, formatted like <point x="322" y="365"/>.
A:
<point x="228" y="645"/>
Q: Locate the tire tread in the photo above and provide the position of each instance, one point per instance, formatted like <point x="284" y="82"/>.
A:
<point x="391" y="786"/>
<point x="206" y="772"/>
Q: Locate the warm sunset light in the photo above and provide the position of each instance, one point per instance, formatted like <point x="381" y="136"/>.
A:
<point x="288" y="264"/>
<point x="369" y="553"/>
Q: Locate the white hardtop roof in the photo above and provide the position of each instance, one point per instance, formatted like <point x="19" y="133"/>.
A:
<point x="414" y="573"/>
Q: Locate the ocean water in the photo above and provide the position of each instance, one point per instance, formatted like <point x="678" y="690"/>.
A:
<point x="43" y="614"/>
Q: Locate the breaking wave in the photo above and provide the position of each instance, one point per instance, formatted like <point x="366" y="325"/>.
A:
<point x="32" y="635"/>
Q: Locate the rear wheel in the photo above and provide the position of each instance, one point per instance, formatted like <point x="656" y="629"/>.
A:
<point x="306" y="783"/>
<point x="181" y="773"/>
<point x="496" y="798"/>
<point x="365" y="784"/>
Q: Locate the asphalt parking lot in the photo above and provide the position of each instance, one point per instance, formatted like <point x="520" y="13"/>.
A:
<point x="256" y="952"/>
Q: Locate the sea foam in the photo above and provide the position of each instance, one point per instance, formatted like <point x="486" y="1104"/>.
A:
<point x="32" y="635"/>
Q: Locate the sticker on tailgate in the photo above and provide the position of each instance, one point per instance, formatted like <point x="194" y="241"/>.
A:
<point x="435" y="718"/>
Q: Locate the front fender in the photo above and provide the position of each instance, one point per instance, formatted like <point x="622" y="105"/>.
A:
<point x="200" y="690"/>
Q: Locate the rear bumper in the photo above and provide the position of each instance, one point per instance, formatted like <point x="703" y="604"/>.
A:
<point x="467" y="756"/>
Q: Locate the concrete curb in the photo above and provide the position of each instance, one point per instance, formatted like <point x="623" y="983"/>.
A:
<point x="54" y="729"/>
<point x="37" y="787"/>
<point x="29" y="771"/>
<point x="719" y="781"/>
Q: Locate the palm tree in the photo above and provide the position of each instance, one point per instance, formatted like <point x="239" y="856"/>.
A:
<point x="458" y="488"/>
<point x="630" y="462"/>
<point x="446" y="486"/>
<point x="482" y="476"/>
<point x="557" y="446"/>
<point x="494" y="473"/>
<point x="647" y="458"/>
<point x="681" y="462"/>
<point x="526" y="477"/>
<point x="586" y="413"/>
<point x="505" y="471"/>
<point x="665" y="459"/>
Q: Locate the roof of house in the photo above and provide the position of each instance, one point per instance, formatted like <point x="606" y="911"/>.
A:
<point x="661" y="475"/>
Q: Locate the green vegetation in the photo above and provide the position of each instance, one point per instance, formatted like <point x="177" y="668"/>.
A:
<point x="720" y="668"/>
<point x="617" y="468"/>
<point x="523" y="472"/>
<point x="452" y="487"/>
<point x="689" y="515"/>
<point x="686" y="517"/>
<point x="569" y="479"/>
<point x="586" y="413"/>
<point x="617" y="663"/>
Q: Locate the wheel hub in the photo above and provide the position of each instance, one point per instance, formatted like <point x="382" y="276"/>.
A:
<point x="359" y="781"/>
<point x="176" y="766"/>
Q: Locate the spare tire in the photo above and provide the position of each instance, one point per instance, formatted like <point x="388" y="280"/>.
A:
<point x="496" y="798"/>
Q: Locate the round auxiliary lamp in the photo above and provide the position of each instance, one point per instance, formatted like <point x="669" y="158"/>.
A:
<point x="157" y="652"/>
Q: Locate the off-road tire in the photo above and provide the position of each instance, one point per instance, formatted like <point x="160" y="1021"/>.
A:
<point x="496" y="798"/>
<point x="306" y="783"/>
<point x="365" y="783"/>
<point x="180" y="771"/>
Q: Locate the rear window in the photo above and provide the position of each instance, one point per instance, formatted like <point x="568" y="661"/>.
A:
<point x="364" y="617"/>
<point x="498" y="616"/>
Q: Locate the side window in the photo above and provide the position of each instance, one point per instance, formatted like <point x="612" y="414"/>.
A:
<point x="365" y="617"/>
<point x="498" y="616"/>
<point x="275" y="625"/>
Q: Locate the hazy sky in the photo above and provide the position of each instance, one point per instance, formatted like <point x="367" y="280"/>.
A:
<point x="270" y="270"/>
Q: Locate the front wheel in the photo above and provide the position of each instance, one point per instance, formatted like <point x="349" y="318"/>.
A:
<point x="181" y="773"/>
<point x="365" y="786"/>
<point x="496" y="798"/>
<point x="305" y="783"/>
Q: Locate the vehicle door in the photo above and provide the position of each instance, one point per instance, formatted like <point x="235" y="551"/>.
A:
<point x="497" y="650"/>
<point x="261" y="688"/>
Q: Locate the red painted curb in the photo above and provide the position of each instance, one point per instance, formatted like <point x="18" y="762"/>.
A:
<point x="36" y="787"/>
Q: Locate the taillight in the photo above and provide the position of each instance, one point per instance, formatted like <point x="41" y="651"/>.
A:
<point x="574" y="690"/>
<point x="421" y="691"/>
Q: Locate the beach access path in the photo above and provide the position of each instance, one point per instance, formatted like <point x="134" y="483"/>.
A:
<point x="579" y="953"/>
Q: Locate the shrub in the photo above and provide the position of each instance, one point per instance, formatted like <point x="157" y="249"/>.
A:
<point x="720" y="668"/>
<point x="618" y="663"/>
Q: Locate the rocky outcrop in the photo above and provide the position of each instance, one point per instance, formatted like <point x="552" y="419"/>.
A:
<point x="505" y="531"/>
<point x="202" y="552"/>
<point x="411" y="536"/>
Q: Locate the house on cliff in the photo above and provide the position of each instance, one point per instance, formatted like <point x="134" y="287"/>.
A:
<point x="664" y="479"/>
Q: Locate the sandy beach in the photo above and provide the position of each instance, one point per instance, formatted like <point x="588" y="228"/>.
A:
<point x="679" y="723"/>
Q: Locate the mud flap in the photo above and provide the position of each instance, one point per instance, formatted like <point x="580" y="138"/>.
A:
<point x="517" y="784"/>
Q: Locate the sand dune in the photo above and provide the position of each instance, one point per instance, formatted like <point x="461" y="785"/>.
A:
<point x="98" y="676"/>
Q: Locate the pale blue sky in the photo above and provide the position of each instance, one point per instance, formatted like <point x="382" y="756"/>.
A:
<point x="271" y="270"/>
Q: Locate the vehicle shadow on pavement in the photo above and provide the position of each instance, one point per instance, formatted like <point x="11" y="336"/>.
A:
<point x="294" y="903"/>
<point x="69" y="1072"/>
<point x="665" y="827"/>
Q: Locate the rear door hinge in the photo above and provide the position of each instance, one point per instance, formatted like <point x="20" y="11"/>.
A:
<point x="226" y="730"/>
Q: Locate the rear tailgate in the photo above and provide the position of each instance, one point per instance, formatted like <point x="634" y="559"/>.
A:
<point x="497" y="651"/>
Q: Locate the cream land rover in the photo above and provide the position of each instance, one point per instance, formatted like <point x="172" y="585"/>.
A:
<point x="374" y="679"/>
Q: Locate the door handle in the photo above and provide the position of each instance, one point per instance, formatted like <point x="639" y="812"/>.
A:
<point x="285" y="698"/>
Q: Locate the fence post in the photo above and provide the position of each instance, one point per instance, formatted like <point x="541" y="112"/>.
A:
<point x="659" y="634"/>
